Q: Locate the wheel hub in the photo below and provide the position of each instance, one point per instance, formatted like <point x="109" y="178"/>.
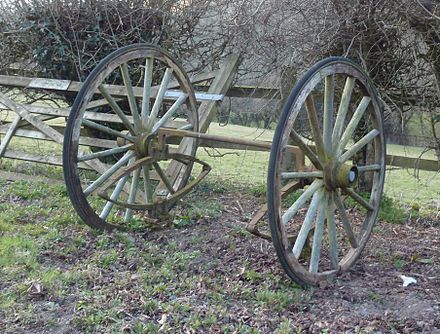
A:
<point x="340" y="176"/>
<point x="143" y="144"/>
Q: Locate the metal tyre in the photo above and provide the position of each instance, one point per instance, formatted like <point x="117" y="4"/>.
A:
<point x="333" y="114"/>
<point x="127" y="97"/>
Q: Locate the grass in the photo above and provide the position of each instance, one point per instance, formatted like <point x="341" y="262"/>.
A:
<point x="143" y="280"/>
<point x="420" y="191"/>
<point x="407" y="187"/>
<point x="249" y="168"/>
<point x="55" y="268"/>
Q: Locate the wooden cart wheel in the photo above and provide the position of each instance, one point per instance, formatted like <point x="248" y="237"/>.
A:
<point x="334" y="116"/>
<point x="127" y="98"/>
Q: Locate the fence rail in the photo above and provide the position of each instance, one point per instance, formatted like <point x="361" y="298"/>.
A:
<point x="40" y="115"/>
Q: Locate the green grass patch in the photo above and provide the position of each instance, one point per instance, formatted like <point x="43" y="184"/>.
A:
<point x="420" y="190"/>
<point x="17" y="253"/>
<point x="147" y="280"/>
<point x="391" y="211"/>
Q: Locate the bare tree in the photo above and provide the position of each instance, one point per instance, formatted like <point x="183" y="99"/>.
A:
<point x="396" y="41"/>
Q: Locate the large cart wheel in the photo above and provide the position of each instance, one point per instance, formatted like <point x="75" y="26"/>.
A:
<point x="125" y="166"/>
<point x="334" y="116"/>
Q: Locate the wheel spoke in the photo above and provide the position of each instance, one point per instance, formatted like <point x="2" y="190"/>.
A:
<point x="146" y="94"/>
<point x="299" y="203"/>
<point x="307" y="224"/>
<point x="108" y="173"/>
<point x="317" y="236"/>
<point x="351" y="127"/>
<point x="105" y="153"/>
<point x="130" y="95"/>
<point x="322" y="232"/>
<point x="101" y="102"/>
<point x="306" y="149"/>
<point x="186" y="127"/>
<point x="350" y="192"/>
<point x="170" y="113"/>
<point x="147" y="184"/>
<point x="331" y="227"/>
<point x="329" y="92"/>
<point x="358" y="145"/>
<point x="369" y="168"/>
<point x="114" y="196"/>
<point x="132" y="195"/>
<point x="345" y="221"/>
<point x="342" y="111"/>
<point x="163" y="177"/>
<point x="115" y="107"/>
<point x="106" y="129"/>
<point x="125" y="113"/>
<point x="159" y="98"/>
<point x="314" y="125"/>
<point x="301" y="175"/>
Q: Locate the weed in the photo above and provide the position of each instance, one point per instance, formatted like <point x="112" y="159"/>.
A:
<point x="382" y="256"/>
<point x="27" y="316"/>
<point x="276" y="300"/>
<point x="63" y="217"/>
<point x="150" y="306"/>
<point x="136" y="224"/>
<point x="22" y="214"/>
<point x="425" y="261"/>
<point x="141" y="328"/>
<point x="291" y="198"/>
<point x="75" y="277"/>
<point x="103" y="241"/>
<point x="198" y="207"/>
<point x="194" y="322"/>
<point x="125" y="239"/>
<point x="375" y="297"/>
<point x="51" y="278"/>
<point x="285" y="327"/>
<point x="196" y="239"/>
<point x="4" y="226"/>
<point x="205" y="208"/>
<point x="151" y="327"/>
<point x="245" y="329"/>
<point x="172" y="246"/>
<point x="213" y="186"/>
<point x="109" y="258"/>
<point x="258" y="190"/>
<point x="377" y="229"/>
<point x="252" y="276"/>
<point x="399" y="263"/>
<point x="182" y="221"/>
<point x="17" y="254"/>
<point x="391" y="212"/>
<point x="28" y="190"/>
<point x="238" y="230"/>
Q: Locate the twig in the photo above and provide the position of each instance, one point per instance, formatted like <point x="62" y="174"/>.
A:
<point x="239" y="207"/>
<point x="218" y="154"/>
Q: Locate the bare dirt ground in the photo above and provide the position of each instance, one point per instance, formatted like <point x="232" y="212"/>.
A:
<point x="234" y="284"/>
<point x="371" y="297"/>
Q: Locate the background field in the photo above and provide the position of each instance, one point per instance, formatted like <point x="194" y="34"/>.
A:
<point x="409" y="187"/>
<point x="200" y="271"/>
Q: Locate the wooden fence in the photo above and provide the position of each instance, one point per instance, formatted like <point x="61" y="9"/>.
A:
<point x="37" y="122"/>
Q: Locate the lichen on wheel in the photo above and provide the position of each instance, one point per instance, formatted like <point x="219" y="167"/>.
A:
<point x="334" y="115"/>
<point x="128" y="98"/>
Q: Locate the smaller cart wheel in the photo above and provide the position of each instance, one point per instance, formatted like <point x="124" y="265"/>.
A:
<point x="334" y="116"/>
<point x="125" y="101"/>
